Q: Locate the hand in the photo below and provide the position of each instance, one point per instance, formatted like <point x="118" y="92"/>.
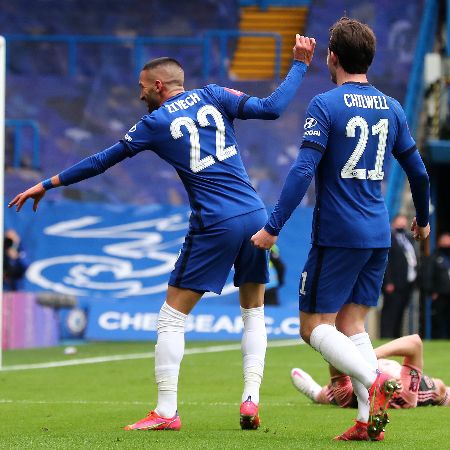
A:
<point x="262" y="239"/>
<point x="419" y="233"/>
<point x="36" y="192"/>
<point x="389" y="288"/>
<point x="304" y="49"/>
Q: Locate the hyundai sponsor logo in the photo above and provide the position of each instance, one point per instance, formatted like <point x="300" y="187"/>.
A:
<point x="310" y="122"/>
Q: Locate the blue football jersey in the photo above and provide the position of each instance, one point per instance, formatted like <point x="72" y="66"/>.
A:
<point x="357" y="128"/>
<point x="193" y="131"/>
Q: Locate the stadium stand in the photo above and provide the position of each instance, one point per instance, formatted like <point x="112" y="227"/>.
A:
<point x="81" y="114"/>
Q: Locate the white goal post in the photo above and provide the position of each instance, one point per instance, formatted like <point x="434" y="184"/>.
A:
<point x="2" y="175"/>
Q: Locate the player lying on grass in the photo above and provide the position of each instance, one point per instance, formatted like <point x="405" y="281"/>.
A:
<point x="193" y="131"/>
<point x="416" y="388"/>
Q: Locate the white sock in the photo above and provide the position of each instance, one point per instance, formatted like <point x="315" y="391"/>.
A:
<point x="341" y="353"/>
<point x="364" y="345"/>
<point x="253" y="345"/>
<point x="169" y="351"/>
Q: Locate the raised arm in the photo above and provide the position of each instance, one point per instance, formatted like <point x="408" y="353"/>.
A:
<point x="87" y="168"/>
<point x="271" y="107"/>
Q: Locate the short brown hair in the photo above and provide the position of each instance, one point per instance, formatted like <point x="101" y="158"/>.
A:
<point x="163" y="61"/>
<point x="353" y="43"/>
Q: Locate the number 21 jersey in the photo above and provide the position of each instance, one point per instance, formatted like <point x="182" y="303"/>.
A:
<point x="357" y="128"/>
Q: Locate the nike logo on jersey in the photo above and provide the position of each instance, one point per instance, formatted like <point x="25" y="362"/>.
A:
<point x="366" y="101"/>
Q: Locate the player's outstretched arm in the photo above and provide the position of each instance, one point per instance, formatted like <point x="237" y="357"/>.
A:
<point x="410" y="347"/>
<point x="271" y="107"/>
<point x="87" y="168"/>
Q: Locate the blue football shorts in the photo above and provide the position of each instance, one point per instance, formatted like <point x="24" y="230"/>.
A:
<point x="208" y="255"/>
<point x="334" y="276"/>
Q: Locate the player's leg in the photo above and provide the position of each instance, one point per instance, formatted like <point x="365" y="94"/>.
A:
<point x="254" y="338"/>
<point x="337" y="349"/>
<point x="327" y="282"/>
<point x="350" y="321"/>
<point x="203" y="265"/>
<point x="251" y="274"/>
<point x="305" y="384"/>
<point x="372" y="405"/>
<point x="169" y="351"/>
<point x="253" y="346"/>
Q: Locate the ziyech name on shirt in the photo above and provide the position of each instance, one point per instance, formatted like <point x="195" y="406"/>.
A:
<point x="185" y="103"/>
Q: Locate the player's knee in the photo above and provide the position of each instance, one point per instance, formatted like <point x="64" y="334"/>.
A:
<point x="170" y="320"/>
<point x="305" y="333"/>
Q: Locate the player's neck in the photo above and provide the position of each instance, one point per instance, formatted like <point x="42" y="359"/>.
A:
<point x="344" y="77"/>
<point x="172" y="93"/>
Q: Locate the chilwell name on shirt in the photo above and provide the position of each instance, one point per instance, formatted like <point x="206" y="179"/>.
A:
<point x="185" y="103"/>
<point x="366" y="101"/>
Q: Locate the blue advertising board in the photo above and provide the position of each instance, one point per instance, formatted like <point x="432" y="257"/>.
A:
<point x="123" y="321"/>
<point x="116" y="261"/>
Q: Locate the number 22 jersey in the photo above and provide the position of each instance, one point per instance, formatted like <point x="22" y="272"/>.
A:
<point x="357" y="128"/>
<point x="193" y="131"/>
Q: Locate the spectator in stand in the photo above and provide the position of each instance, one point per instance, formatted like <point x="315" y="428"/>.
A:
<point x="437" y="283"/>
<point x="399" y="278"/>
<point x="14" y="262"/>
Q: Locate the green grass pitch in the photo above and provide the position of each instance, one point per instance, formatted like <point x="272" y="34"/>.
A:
<point x="86" y="406"/>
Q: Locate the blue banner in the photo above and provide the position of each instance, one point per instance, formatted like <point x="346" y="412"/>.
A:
<point x="103" y="251"/>
<point x="123" y="321"/>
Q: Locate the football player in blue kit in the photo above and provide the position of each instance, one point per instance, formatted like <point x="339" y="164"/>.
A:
<point x="193" y="131"/>
<point x="350" y="134"/>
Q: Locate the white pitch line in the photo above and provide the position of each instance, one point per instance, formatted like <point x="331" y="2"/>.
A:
<point x="130" y="403"/>
<point x="132" y="356"/>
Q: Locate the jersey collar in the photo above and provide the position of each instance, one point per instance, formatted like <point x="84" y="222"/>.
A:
<point x="357" y="83"/>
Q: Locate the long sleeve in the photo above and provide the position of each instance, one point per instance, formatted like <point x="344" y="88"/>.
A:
<point x="294" y="189"/>
<point x="271" y="107"/>
<point x="94" y="165"/>
<point x="419" y="182"/>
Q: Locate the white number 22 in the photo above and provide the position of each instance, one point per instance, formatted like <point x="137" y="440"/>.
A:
<point x="197" y="164"/>
<point x="381" y="128"/>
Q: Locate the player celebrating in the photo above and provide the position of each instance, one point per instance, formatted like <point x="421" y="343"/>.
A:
<point x="193" y="131"/>
<point x="417" y="389"/>
<point x="350" y="132"/>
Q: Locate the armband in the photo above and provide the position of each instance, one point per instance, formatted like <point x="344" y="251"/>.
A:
<point x="47" y="184"/>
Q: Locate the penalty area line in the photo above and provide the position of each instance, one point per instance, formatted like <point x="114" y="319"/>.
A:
<point x="134" y="356"/>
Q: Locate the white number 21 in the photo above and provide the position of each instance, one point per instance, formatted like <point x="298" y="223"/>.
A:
<point x="197" y="164"/>
<point x="380" y="129"/>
